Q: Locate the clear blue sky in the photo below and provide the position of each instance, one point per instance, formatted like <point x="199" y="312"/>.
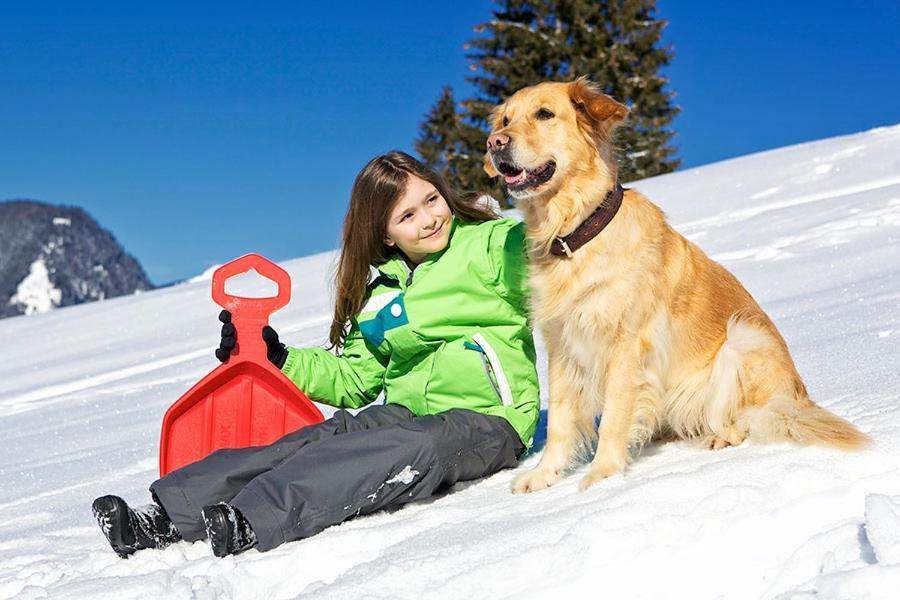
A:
<point x="199" y="131"/>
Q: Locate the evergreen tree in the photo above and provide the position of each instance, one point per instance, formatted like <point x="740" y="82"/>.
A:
<point x="454" y="147"/>
<point x="615" y="43"/>
<point x="436" y="143"/>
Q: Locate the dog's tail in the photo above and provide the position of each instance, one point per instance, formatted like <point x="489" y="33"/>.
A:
<point x="813" y="424"/>
<point x="804" y="422"/>
<point x="755" y="350"/>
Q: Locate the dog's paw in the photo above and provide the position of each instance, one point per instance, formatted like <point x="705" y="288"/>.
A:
<point x="598" y="473"/>
<point x="731" y="437"/>
<point x="715" y="442"/>
<point x="534" y="480"/>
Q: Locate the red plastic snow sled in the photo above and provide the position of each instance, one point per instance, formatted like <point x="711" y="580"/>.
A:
<point x="246" y="401"/>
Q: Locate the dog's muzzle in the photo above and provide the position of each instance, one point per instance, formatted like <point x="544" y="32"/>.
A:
<point x="518" y="179"/>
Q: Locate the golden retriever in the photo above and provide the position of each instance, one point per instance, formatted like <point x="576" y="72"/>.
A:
<point x="639" y="324"/>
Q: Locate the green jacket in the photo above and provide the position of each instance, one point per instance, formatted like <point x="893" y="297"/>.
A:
<point x="452" y="334"/>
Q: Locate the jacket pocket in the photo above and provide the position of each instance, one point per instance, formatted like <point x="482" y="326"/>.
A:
<point x="492" y="366"/>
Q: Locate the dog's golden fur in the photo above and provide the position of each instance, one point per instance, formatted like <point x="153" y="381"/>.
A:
<point x="639" y="324"/>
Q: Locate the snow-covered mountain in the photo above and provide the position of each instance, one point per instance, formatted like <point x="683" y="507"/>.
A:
<point x="52" y="256"/>
<point x="813" y="231"/>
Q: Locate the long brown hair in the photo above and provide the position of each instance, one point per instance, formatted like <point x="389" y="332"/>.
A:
<point x="377" y="187"/>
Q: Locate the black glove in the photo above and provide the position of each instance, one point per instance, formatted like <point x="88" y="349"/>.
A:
<point x="229" y="337"/>
<point x="276" y="352"/>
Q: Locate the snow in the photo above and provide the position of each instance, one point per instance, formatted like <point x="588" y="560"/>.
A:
<point x="883" y="527"/>
<point x="205" y="275"/>
<point x="811" y="230"/>
<point x="62" y="221"/>
<point x="406" y="476"/>
<point x="36" y="292"/>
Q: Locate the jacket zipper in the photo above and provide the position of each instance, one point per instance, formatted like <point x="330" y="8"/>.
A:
<point x="409" y="275"/>
<point x="486" y="365"/>
<point x="491" y="363"/>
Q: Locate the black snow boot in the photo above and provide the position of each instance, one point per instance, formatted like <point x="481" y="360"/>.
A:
<point x="227" y="529"/>
<point x="129" y="530"/>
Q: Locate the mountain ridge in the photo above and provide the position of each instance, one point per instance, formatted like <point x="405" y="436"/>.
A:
<point x="54" y="255"/>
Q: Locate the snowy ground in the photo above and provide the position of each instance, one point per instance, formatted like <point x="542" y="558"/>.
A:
<point x="813" y="231"/>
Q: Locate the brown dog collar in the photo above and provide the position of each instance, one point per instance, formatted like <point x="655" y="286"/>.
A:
<point x="593" y="225"/>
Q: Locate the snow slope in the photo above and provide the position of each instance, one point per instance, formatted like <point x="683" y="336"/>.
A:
<point x="813" y="231"/>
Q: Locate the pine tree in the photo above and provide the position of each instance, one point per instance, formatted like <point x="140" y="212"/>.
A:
<point x="437" y="135"/>
<point x="454" y="147"/>
<point x="615" y="43"/>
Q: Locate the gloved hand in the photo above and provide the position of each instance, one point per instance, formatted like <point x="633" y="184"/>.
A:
<point x="276" y="352"/>
<point x="229" y="337"/>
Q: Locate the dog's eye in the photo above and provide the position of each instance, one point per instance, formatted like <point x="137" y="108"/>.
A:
<point x="543" y="114"/>
<point x="505" y="121"/>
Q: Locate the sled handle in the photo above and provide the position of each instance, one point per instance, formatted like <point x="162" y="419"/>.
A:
<point x="250" y="315"/>
<point x="253" y="306"/>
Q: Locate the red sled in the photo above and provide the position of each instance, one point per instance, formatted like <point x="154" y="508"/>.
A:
<point x="247" y="401"/>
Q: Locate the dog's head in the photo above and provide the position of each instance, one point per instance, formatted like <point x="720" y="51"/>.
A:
<point x="550" y="133"/>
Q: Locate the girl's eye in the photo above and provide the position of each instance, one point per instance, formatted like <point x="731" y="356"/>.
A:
<point x="543" y="114"/>
<point x="505" y="121"/>
<point x="404" y="217"/>
<point x="432" y="200"/>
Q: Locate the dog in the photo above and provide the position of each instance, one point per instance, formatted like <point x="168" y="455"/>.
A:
<point x="641" y="327"/>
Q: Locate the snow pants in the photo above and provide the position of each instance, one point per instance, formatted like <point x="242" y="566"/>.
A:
<point x="345" y="466"/>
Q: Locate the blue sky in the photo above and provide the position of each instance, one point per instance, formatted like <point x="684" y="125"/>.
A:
<point x="197" y="132"/>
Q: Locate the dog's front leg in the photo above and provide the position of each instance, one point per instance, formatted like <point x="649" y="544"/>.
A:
<point x="618" y="414"/>
<point x="563" y="435"/>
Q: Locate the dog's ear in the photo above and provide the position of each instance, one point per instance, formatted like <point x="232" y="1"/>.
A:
<point x="595" y="110"/>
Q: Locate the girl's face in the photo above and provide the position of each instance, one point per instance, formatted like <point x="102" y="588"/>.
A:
<point x="419" y="222"/>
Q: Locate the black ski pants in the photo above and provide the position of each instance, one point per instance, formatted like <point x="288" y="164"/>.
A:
<point x="347" y="465"/>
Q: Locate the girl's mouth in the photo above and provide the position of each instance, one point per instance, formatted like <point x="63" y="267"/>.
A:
<point x="434" y="233"/>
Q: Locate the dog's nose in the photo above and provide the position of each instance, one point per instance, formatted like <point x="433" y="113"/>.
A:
<point x="496" y="141"/>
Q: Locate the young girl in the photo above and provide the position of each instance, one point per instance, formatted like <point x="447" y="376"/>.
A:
<point x="439" y="327"/>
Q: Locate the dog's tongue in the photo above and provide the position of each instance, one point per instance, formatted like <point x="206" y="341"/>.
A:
<point x="515" y="178"/>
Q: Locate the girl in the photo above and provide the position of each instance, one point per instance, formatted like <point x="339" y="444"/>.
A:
<point x="439" y="327"/>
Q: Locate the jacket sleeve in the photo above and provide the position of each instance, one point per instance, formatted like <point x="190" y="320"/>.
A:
<point x="507" y="253"/>
<point x="351" y="379"/>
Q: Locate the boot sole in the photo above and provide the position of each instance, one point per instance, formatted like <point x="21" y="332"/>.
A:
<point x="217" y="529"/>
<point x="111" y="514"/>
